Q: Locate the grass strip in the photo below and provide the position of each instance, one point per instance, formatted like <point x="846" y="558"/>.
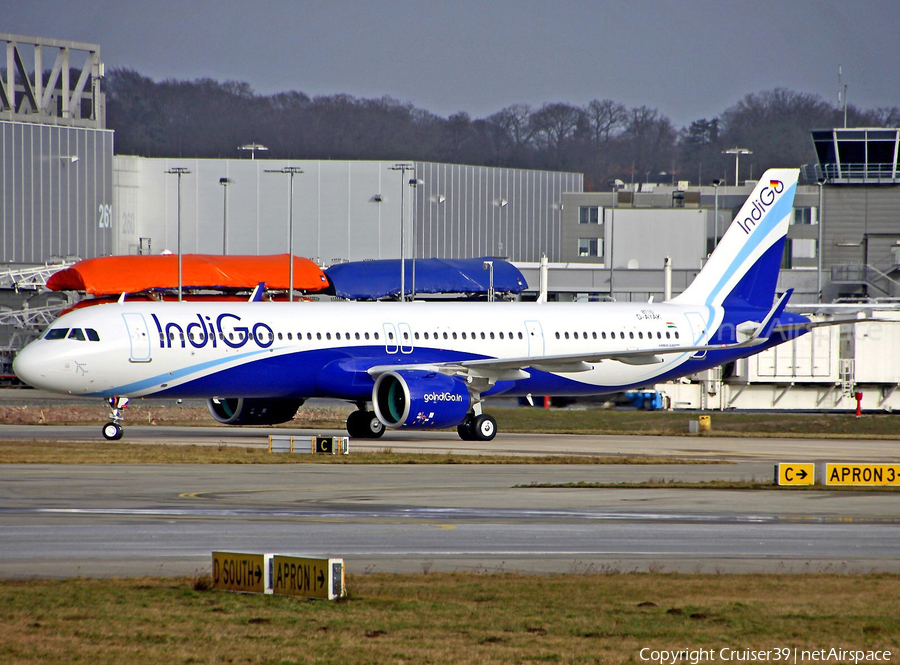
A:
<point x="76" y="452"/>
<point x="521" y="420"/>
<point x="447" y="618"/>
<point x="707" y="485"/>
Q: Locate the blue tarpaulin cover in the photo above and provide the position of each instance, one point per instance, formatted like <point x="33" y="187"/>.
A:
<point x="371" y="280"/>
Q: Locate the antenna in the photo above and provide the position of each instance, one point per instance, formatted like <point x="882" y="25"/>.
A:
<point x="842" y="94"/>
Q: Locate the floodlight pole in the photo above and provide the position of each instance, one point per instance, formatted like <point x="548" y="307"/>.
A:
<point x="253" y="147"/>
<point x="178" y="171"/>
<point x="291" y="171"/>
<point x="403" y="168"/>
<point x="716" y="184"/>
<point x="612" y="217"/>
<point x="414" y="184"/>
<point x="225" y="182"/>
<point x="737" y="152"/>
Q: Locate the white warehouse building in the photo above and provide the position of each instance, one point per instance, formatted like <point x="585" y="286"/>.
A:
<point x="342" y="210"/>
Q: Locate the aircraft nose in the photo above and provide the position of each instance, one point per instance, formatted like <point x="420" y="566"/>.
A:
<point x="27" y="366"/>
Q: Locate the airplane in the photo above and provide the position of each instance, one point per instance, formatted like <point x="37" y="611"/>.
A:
<point x="424" y="365"/>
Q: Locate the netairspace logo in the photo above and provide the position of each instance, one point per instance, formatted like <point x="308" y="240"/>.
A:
<point x="782" y="654"/>
<point x="442" y="397"/>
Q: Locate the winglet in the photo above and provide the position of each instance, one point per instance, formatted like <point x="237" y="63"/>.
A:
<point x="257" y="294"/>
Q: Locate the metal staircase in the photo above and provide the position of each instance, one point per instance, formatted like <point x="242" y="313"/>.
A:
<point x="868" y="276"/>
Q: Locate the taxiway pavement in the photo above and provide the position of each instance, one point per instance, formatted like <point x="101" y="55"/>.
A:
<point x="131" y="520"/>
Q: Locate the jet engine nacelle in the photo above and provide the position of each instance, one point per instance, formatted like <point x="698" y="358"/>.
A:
<point x="255" y="411"/>
<point x="419" y="398"/>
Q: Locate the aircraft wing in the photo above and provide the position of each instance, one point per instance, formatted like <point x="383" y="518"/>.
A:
<point x="511" y="369"/>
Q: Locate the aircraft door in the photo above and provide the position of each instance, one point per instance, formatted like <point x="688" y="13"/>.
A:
<point x="698" y="332"/>
<point x="406" y="344"/>
<point x="535" y="338"/>
<point x="139" y="337"/>
<point x="390" y="338"/>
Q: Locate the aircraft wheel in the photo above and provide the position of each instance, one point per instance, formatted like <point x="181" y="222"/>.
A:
<point x="465" y="431"/>
<point x="356" y="425"/>
<point x="364" y="425"/>
<point x="113" y="431"/>
<point x="484" y="427"/>
<point x="374" y="427"/>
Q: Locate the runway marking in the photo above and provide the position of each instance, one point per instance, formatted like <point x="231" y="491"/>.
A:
<point x="386" y="513"/>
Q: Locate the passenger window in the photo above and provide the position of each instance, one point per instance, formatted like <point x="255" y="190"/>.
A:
<point x="520" y="335"/>
<point x="426" y="335"/>
<point x="280" y="338"/>
<point x="640" y="335"/>
<point x="357" y="335"/>
<point x="492" y="335"/>
<point x="603" y="335"/>
<point x="557" y="335"/>
<point x="575" y="335"/>
<point x="376" y="335"/>
<point x="464" y="335"/>
<point x="676" y="334"/>
<point x="57" y="333"/>
<point x="631" y="335"/>
<point x="566" y="335"/>
<point x="454" y="335"/>
<point x="482" y="335"/>
<point x="366" y="335"/>
<point x="446" y="336"/>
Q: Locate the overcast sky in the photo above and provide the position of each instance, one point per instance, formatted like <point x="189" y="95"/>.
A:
<point x="690" y="59"/>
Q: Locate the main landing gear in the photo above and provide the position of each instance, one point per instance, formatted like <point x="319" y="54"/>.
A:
<point x="362" y="424"/>
<point x="480" y="427"/>
<point x="113" y="430"/>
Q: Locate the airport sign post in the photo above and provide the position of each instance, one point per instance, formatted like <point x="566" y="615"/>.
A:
<point x="795" y="473"/>
<point x="310" y="578"/>
<point x="239" y="571"/>
<point x="328" y="445"/>
<point x="862" y="475"/>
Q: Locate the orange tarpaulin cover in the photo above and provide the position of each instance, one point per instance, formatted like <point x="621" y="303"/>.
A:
<point x="132" y="274"/>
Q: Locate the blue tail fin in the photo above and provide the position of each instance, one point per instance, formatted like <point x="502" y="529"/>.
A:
<point x="743" y="270"/>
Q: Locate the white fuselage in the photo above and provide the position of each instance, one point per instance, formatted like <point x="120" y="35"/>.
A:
<point x="309" y="349"/>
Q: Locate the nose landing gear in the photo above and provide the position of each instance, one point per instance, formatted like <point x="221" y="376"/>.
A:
<point x="113" y="430"/>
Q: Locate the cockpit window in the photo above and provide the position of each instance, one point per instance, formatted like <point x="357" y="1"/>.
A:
<point x="77" y="334"/>
<point x="57" y="333"/>
<point x="92" y="334"/>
